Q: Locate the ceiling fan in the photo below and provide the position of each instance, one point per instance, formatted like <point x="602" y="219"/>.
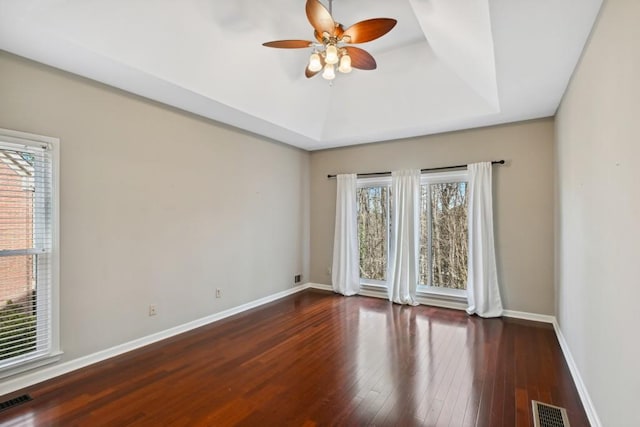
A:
<point x="332" y="45"/>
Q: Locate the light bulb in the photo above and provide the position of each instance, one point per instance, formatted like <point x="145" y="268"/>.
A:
<point x="314" y="63"/>
<point x="331" y="55"/>
<point x="329" y="73"/>
<point x="345" y="64"/>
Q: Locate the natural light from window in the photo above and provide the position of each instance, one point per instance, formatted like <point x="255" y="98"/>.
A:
<point x="443" y="235"/>
<point x="373" y="232"/>
<point x="443" y="232"/>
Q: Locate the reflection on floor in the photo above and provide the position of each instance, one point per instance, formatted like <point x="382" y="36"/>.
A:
<point x="315" y="358"/>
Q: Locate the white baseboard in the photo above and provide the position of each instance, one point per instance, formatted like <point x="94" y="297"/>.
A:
<point x="545" y="318"/>
<point x="577" y="379"/>
<point x="594" y="420"/>
<point x="320" y="286"/>
<point x="383" y="295"/>
<point x="27" y="379"/>
<point x="30" y="378"/>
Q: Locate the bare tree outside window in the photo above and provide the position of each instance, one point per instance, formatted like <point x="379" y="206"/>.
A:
<point x="373" y="227"/>
<point x="443" y="235"/>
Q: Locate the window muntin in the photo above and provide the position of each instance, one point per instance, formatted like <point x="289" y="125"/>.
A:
<point x="443" y="232"/>
<point x="26" y="244"/>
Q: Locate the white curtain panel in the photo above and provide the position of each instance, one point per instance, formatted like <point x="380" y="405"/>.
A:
<point x="345" y="274"/>
<point x="402" y="270"/>
<point x="483" y="293"/>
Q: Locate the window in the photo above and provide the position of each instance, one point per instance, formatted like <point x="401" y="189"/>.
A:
<point x="373" y="230"/>
<point x="443" y="232"/>
<point x="26" y="249"/>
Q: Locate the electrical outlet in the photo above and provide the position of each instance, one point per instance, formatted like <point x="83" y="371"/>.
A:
<point x="152" y="310"/>
<point x="328" y="271"/>
<point x="218" y="293"/>
<point x="297" y="278"/>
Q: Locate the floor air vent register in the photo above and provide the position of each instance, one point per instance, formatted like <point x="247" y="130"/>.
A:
<point x="545" y="415"/>
<point x="8" y="404"/>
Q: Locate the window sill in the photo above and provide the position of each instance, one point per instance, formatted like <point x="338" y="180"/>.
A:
<point x="428" y="292"/>
<point x="31" y="364"/>
<point x="459" y="295"/>
<point x="373" y="286"/>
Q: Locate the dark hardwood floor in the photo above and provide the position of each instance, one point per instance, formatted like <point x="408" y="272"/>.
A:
<point x="318" y="359"/>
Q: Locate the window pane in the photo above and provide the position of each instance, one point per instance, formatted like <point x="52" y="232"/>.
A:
<point x="373" y="226"/>
<point x="17" y="306"/>
<point x="443" y="239"/>
<point x="449" y="238"/>
<point x="423" y="265"/>
<point x="25" y="241"/>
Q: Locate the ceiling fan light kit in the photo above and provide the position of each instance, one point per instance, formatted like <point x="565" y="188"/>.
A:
<point x="331" y="47"/>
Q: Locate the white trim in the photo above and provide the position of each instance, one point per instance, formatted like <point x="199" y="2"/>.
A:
<point x="373" y="283"/>
<point x="374" y="293"/>
<point x="382" y="294"/>
<point x="37" y="362"/>
<point x="459" y="295"/>
<point x="32" y="378"/>
<point x="34" y="142"/>
<point x="319" y="286"/>
<point x="442" y="303"/>
<point x="545" y="318"/>
<point x="27" y="139"/>
<point x="54" y="144"/>
<point x="35" y="377"/>
<point x="589" y="408"/>
<point x="461" y="175"/>
<point x="375" y="181"/>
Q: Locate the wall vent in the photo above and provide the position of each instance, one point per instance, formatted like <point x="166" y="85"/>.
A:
<point x="7" y="404"/>
<point x="545" y="415"/>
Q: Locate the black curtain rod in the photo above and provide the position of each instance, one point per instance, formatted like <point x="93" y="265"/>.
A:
<point x="442" y="168"/>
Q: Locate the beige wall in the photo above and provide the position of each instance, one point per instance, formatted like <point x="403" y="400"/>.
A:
<point x="157" y="206"/>
<point x="523" y="195"/>
<point x="598" y="214"/>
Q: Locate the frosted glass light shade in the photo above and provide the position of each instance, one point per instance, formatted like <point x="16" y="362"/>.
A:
<point x="345" y="64"/>
<point x="314" y="63"/>
<point x="329" y="73"/>
<point x="331" y="55"/>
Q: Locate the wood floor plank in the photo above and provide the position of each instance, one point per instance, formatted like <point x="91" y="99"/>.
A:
<point x="317" y="359"/>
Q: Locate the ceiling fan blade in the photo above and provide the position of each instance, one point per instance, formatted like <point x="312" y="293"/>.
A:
<point x="309" y="73"/>
<point x="361" y="59"/>
<point x="371" y="29"/>
<point x="288" y="44"/>
<point x="319" y="17"/>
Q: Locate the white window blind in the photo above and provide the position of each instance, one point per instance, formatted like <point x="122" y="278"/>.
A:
<point x="25" y="252"/>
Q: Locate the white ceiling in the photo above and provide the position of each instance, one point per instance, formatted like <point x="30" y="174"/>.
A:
<point x="447" y="65"/>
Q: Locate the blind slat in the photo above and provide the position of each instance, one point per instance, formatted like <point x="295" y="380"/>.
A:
<point x="25" y="244"/>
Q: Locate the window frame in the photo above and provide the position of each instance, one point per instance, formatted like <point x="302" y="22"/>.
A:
<point x="425" y="179"/>
<point x="378" y="181"/>
<point x="52" y="353"/>
<point x="441" y="178"/>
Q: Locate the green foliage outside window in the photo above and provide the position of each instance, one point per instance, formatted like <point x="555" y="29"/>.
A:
<point x="17" y="330"/>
